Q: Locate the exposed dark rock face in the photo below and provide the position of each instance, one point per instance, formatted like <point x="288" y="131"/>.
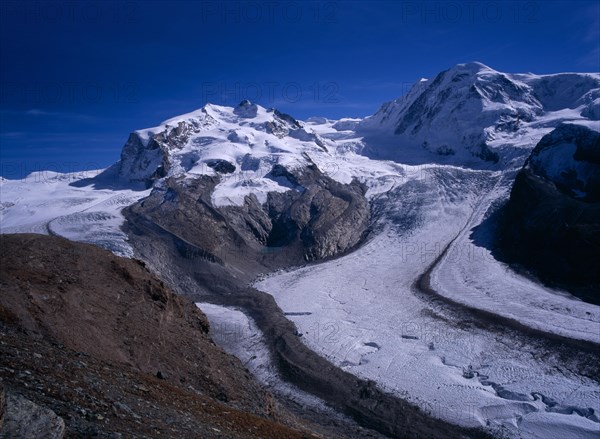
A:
<point x="142" y="162"/>
<point x="26" y="419"/>
<point x="148" y="159"/>
<point x="316" y="219"/>
<point x="246" y="109"/>
<point x="569" y="156"/>
<point x="328" y="218"/>
<point x="483" y="152"/>
<point x="289" y="119"/>
<point x="221" y="166"/>
<point x="551" y="224"/>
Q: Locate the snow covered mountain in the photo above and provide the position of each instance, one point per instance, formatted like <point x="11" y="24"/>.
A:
<point x="216" y="140"/>
<point x="213" y="198"/>
<point x="471" y="115"/>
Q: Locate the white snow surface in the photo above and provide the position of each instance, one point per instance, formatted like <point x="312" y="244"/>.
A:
<point x="238" y="335"/>
<point x="361" y="312"/>
<point x="49" y="203"/>
<point x="447" y="119"/>
<point x="251" y="138"/>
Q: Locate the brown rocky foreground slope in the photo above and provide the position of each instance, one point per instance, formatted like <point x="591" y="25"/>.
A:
<point x="105" y="345"/>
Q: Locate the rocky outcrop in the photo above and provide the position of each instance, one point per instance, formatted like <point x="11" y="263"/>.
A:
<point x="319" y="218"/>
<point x="25" y="419"/>
<point x="141" y="162"/>
<point x="569" y="157"/>
<point x="551" y="223"/>
<point x="221" y="166"/>
<point x="328" y="218"/>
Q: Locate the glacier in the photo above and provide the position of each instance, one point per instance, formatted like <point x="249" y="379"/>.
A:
<point x="422" y="308"/>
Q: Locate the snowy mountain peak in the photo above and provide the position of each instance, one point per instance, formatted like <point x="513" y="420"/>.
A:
<point x="226" y="141"/>
<point x="472" y="114"/>
<point x="246" y="109"/>
<point x="472" y="67"/>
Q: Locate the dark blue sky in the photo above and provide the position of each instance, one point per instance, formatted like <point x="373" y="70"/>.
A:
<point x="77" y="77"/>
